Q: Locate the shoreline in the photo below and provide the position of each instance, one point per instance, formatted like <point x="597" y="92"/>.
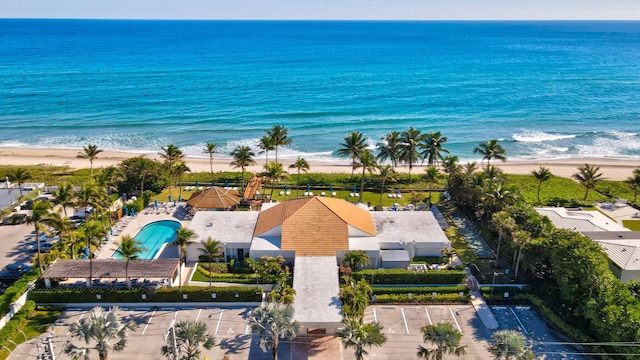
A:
<point x="612" y="168"/>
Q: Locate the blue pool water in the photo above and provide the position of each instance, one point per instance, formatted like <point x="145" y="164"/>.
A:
<point x="153" y="236"/>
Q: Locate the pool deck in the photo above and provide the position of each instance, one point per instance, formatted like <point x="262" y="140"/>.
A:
<point x="150" y="214"/>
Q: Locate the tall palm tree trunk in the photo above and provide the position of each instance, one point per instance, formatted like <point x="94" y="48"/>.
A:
<point x="381" y="191"/>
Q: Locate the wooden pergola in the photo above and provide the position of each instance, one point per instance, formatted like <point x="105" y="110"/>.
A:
<point x="111" y="269"/>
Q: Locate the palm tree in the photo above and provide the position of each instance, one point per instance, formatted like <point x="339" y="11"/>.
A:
<point x="542" y="175"/>
<point x="272" y="322"/>
<point x="431" y="176"/>
<point x="189" y="337"/>
<point x="387" y="173"/>
<point x="433" y="149"/>
<point x="280" y="136"/>
<point x="509" y="344"/>
<point x="20" y="176"/>
<point x="356" y="259"/>
<point x="64" y="197"/>
<point x="358" y="335"/>
<point x="106" y="328"/>
<point x="301" y="165"/>
<point x="93" y="233"/>
<point x="90" y="152"/>
<point x="351" y="147"/>
<point x="87" y="197"/>
<point x="177" y="172"/>
<point x="520" y="239"/>
<point x="445" y="338"/>
<point x="588" y="176"/>
<point x="210" y="148"/>
<point x="367" y="162"/>
<point x="634" y="183"/>
<point x="39" y="214"/>
<point x="242" y="157"/>
<point x="490" y="150"/>
<point x="62" y="225"/>
<point x="210" y="248"/>
<point x="354" y="296"/>
<point x="274" y="171"/>
<point x="411" y="140"/>
<point x="109" y="178"/>
<point x="504" y="223"/>
<point x="171" y="154"/>
<point x="184" y="237"/>
<point x="390" y="148"/>
<point x="451" y="167"/>
<point x="266" y="144"/>
<point x="129" y="249"/>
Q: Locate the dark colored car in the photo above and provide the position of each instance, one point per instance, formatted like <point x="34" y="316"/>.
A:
<point x="15" y="219"/>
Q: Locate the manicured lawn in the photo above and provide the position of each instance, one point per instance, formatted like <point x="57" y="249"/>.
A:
<point x="37" y="324"/>
<point x="552" y="191"/>
<point x="633" y="225"/>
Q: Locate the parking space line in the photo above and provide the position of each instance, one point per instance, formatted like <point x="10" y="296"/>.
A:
<point x="148" y="322"/>
<point x="198" y="316"/>
<point x="428" y="316"/>
<point x="375" y="315"/>
<point x="404" y="319"/>
<point x="246" y="326"/>
<point x="454" y="319"/>
<point x="219" y="321"/>
<point x="519" y="322"/>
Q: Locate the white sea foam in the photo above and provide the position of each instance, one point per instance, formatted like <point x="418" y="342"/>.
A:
<point x="539" y="136"/>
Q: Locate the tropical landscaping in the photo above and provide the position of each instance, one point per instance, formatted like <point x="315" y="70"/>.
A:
<point x="568" y="274"/>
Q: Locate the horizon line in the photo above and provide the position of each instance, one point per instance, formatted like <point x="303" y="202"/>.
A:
<point x="321" y="20"/>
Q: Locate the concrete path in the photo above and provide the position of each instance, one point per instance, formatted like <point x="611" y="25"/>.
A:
<point x="481" y="307"/>
<point x="618" y="211"/>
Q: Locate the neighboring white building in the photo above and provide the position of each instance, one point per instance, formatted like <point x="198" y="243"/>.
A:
<point x="314" y="234"/>
<point x="621" y="244"/>
<point x="623" y="250"/>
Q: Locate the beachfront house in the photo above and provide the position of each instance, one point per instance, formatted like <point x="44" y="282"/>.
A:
<point x="313" y="234"/>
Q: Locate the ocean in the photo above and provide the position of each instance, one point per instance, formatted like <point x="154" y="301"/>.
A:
<point x="546" y="90"/>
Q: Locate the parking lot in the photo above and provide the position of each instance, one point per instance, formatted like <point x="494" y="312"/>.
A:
<point x="402" y="326"/>
<point x="233" y="336"/>
<point x="15" y="244"/>
<point x="229" y="327"/>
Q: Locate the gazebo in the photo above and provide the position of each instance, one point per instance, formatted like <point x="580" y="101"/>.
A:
<point x="214" y="198"/>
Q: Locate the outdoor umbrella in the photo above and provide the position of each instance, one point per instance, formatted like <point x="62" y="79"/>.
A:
<point x="308" y="188"/>
<point x="330" y="188"/>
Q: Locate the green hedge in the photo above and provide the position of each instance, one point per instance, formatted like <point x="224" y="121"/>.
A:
<point x="402" y="276"/>
<point x="16" y="290"/>
<point x="203" y="275"/>
<point x="420" y="299"/>
<point x="216" y="268"/>
<point x="421" y="290"/>
<point x="498" y="293"/>
<point x="16" y="322"/>
<point x="194" y="294"/>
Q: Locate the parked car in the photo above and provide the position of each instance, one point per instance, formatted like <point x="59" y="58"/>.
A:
<point x="27" y="205"/>
<point x="44" y="246"/>
<point x="15" y="219"/>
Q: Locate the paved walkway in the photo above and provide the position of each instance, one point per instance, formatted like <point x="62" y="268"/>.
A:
<point x="482" y="309"/>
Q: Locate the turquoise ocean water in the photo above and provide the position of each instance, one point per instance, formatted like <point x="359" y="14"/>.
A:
<point x="547" y="89"/>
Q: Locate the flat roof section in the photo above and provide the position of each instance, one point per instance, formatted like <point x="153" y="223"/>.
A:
<point x="231" y="227"/>
<point x="315" y="280"/>
<point x="580" y="220"/>
<point x="408" y="226"/>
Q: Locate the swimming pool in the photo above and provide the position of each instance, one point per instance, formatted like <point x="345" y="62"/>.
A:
<point x="154" y="236"/>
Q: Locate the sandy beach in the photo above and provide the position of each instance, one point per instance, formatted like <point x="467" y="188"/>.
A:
<point x="614" y="169"/>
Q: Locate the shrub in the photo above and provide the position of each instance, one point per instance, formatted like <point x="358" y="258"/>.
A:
<point x="420" y="299"/>
<point x="421" y="290"/>
<point x="401" y="276"/>
<point x="215" y="268"/>
<point x="194" y="294"/>
<point x="554" y="319"/>
<point x="16" y="322"/>
<point x="16" y="290"/>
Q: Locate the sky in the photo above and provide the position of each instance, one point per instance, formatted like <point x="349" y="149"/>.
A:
<point x="325" y="9"/>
